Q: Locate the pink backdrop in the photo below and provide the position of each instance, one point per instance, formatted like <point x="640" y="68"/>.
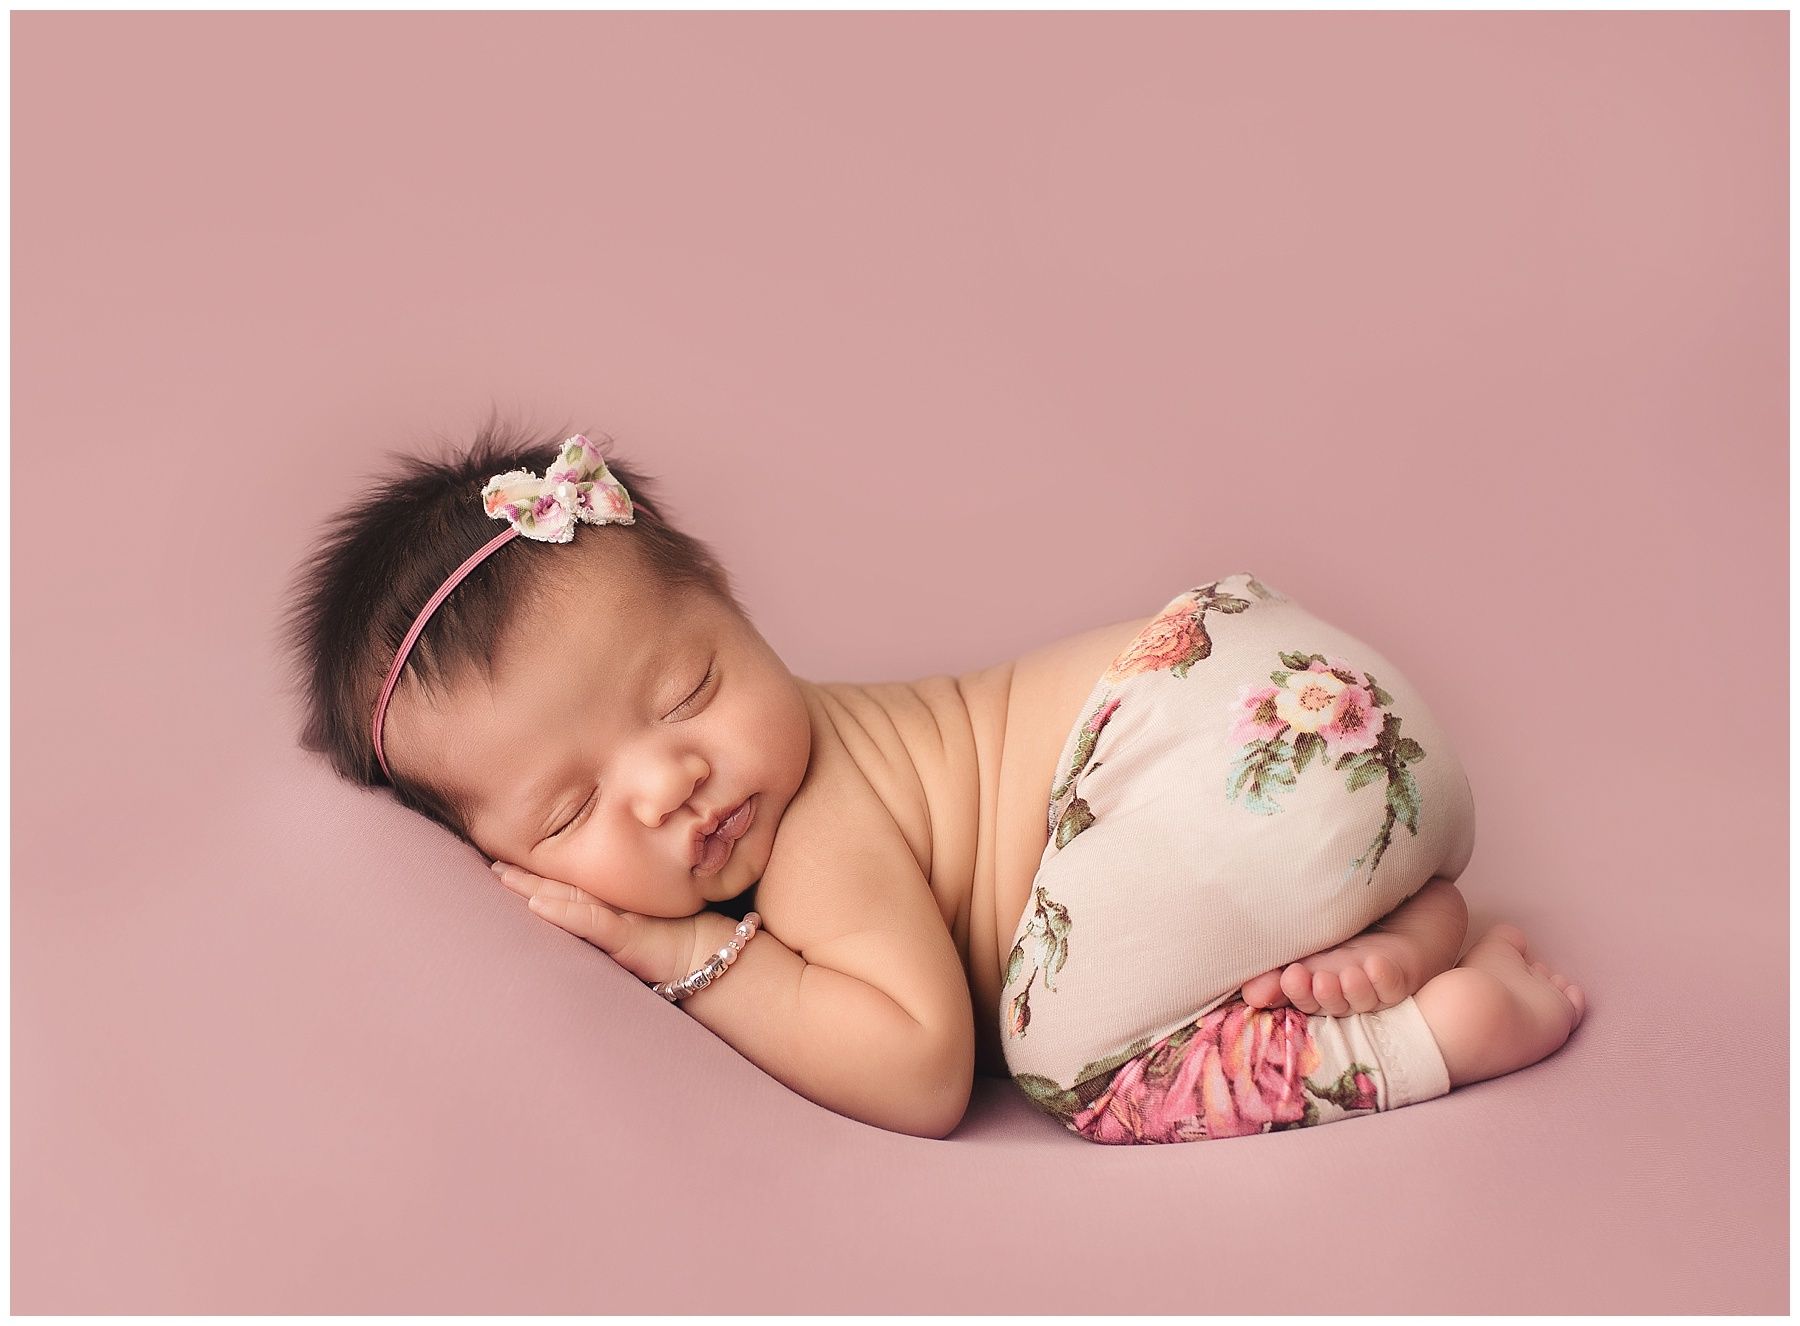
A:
<point x="954" y="333"/>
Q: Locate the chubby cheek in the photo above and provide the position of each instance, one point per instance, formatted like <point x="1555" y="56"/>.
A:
<point x="786" y="734"/>
<point x="641" y="891"/>
<point x="641" y="898"/>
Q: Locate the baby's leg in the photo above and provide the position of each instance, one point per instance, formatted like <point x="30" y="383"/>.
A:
<point x="1247" y="784"/>
<point x="1378" y="968"/>
<point x="1239" y="1071"/>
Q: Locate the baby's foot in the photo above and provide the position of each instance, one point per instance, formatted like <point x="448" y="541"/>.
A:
<point x="1377" y="968"/>
<point x="1497" y="1010"/>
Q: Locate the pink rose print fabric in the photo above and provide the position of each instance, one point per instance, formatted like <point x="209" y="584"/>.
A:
<point x="1238" y="793"/>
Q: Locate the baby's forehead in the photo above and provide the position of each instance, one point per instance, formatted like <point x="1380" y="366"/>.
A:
<point x="616" y="592"/>
<point x="591" y="614"/>
<point x="603" y="648"/>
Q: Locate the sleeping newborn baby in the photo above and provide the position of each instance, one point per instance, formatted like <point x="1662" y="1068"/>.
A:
<point x="1184" y="876"/>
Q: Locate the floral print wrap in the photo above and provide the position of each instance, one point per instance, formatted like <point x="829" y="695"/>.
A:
<point x="1246" y="785"/>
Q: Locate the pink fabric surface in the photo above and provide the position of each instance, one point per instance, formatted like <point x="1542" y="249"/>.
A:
<point x="954" y="333"/>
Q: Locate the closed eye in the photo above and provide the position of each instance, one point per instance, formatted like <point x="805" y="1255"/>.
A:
<point x="577" y="815"/>
<point x="711" y="672"/>
<point x="693" y="695"/>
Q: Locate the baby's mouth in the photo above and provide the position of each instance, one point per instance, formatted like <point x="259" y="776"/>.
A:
<point x="715" y="848"/>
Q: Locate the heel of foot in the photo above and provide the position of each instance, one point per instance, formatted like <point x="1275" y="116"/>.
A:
<point x="1494" y="1017"/>
<point x="1475" y="1019"/>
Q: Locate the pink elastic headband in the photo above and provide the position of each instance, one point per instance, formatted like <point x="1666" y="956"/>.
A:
<point x="577" y="488"/>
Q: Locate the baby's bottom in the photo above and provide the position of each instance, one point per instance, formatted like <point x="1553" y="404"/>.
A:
<point x="1238" y="794"/>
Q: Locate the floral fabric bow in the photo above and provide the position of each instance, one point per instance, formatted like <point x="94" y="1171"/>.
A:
<point x="576" y="488"/>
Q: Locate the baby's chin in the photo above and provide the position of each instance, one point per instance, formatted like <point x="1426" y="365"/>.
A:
<point x="721" y="890"/>
<point x="733" y="904"/>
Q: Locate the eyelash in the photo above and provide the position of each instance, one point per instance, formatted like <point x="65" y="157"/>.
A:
<point x="576" y="818"/>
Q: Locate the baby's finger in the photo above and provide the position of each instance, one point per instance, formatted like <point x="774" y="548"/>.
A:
<point x="526" y="884"/>
<point x="513" y="878"/>
<point x="572" y="909"/>
<point x="581" y="916"/>
<point x="540" y="887"/>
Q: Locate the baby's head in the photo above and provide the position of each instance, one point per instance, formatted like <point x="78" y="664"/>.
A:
<point x="581" y="709"/>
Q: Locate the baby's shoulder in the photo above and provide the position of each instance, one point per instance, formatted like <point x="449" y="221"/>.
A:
<point x="839" y="862"/>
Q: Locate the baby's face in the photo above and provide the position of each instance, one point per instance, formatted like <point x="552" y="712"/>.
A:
<point x="618" y="726"/>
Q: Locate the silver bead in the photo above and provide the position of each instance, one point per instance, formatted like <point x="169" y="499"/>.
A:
<point x="715" y="964"/>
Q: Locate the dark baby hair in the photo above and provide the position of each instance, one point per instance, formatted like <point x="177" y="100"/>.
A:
<point x="383" y="557"/>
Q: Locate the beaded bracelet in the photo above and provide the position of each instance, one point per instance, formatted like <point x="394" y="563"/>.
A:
<point x="707" y="972"/>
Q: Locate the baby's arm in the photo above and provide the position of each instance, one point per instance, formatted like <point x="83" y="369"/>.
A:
<point x="861" y="1002"/>
<point x="874" y="1022"/>
<point x="879" y="1028"/>
<point x="1378" y="968"/>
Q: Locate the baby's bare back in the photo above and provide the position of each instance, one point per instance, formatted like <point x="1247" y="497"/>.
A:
<point x="947" y="780"/>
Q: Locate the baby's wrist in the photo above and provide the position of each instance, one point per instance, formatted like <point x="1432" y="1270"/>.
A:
<point x="712" y="931"/>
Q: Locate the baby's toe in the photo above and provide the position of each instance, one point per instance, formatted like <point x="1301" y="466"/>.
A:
<point x="1388" y="979"/>
<point x="1297" y="985"/>
<point x="1330" y="994"/>
<point x="1358" y="990"/>
<point x="1264" y="991"/>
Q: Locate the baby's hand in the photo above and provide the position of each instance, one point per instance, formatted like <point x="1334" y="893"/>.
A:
<point x="651" y="948"/>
